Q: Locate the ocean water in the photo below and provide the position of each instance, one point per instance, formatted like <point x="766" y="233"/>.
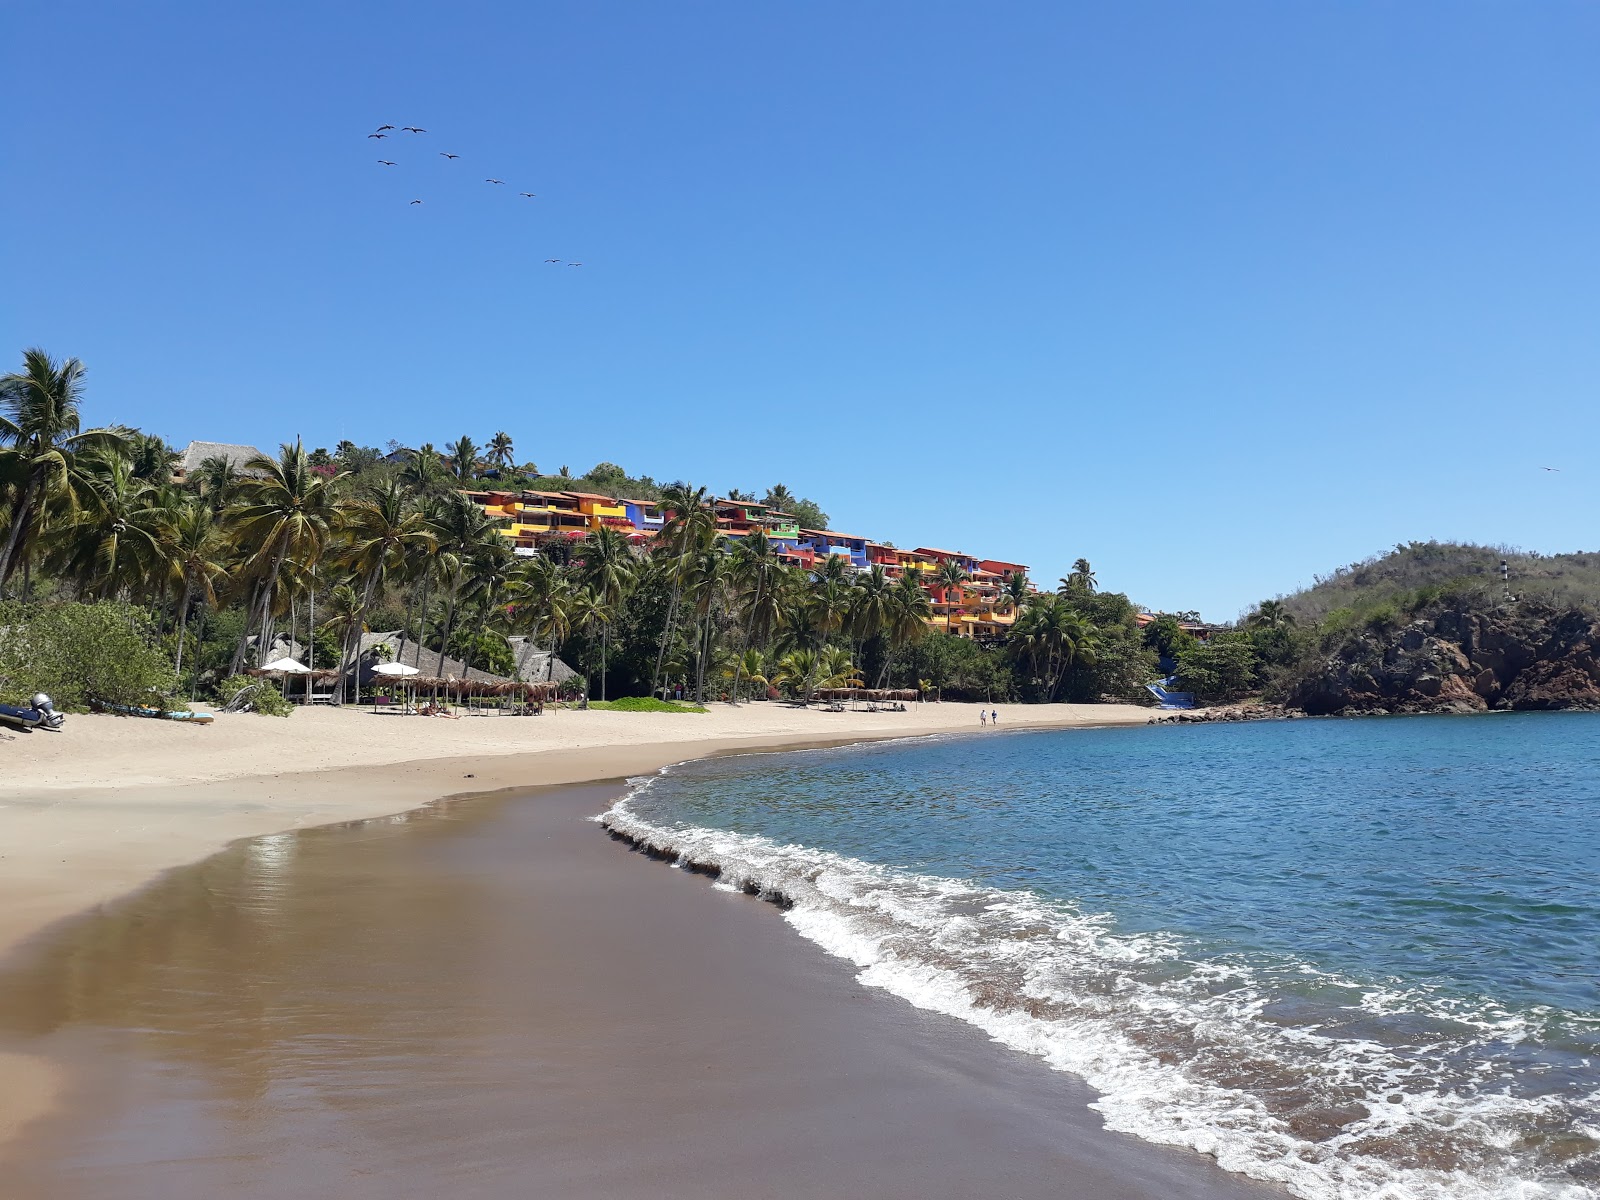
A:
<point x="1360" y="958"/>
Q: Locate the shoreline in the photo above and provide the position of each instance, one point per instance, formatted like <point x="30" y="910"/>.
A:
<point x="630" y="1032"/>
<point x="70" y="847"/>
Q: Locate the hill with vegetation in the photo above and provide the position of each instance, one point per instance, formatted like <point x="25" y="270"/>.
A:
<point x="173" y="583"/>
<point x="1409" y="569"/>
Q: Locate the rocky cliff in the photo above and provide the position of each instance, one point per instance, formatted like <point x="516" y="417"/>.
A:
<point x="1523" y="655"/>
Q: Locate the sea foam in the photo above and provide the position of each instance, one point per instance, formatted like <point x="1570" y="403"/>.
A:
<point x="1185" y="1050"/>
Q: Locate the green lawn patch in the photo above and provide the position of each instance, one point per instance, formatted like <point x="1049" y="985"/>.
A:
<point x="646" y="704"/>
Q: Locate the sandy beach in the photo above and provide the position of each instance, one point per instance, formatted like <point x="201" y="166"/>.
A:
<point x="106" y="806"/>
<point x="490" y="999"/>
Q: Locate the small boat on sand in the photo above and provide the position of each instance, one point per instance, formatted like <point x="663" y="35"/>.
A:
<point x="157" y="714"/>
<point x="40" y="714"/>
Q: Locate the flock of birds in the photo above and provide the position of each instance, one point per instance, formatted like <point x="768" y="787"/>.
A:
<point x="383" y="132"/>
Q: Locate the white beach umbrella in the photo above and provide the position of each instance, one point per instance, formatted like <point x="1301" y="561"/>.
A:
<point x="286" y="666"/>
<point x="394" y="669"/>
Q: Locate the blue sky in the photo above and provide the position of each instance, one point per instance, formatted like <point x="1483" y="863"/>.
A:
<point x="1218" y="296"/>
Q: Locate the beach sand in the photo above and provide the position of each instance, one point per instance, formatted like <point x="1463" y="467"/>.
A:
<point x="638" y="947"/>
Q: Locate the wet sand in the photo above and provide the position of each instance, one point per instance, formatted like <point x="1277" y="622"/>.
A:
<point x="492" y="999"/>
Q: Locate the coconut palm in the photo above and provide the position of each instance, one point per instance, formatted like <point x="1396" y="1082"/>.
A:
<point x="284" y="510"/>
<point x="382" y="532"/>
<point x="500" y="449"/>
<point x="489" y="573"/>
<point x="41" y="436"/>
<point x="425" y="472"/>
<point x="1015" y="591"/>
<point x="460" y="530"/>
<point x="910" y="610"/>
<point x="1081" y="580"/>
<point x="689" y="523"/>
<point x="110" y="545"/>
<point x="538" y="596"/>
<point x="757" y="573"/>
<point x="708" y="574"/>
<point x="215" y="479"/>
<point x="1271" y="615"/>
<point x="587" y="611"/>
<point x="798" y="671"/>
<point x="780" y="498"/>
<point x="608" y="569"/>
<point x="463" y="459"/>
<point x="344" y="619"/>
<point x="193" y="554"/>
<point x="835" y="668"/>
<point x="950" y="577"/>
<point x="1054" y="638"/>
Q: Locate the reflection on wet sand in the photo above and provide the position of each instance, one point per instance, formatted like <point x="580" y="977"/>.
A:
<point x="491" y="999"/>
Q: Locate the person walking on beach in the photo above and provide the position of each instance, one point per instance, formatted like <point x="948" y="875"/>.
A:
<point x="983" y="719"/>
<point x="994" y="717"/>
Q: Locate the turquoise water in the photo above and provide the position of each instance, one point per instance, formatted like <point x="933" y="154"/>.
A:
<point x="1359" y="957"/>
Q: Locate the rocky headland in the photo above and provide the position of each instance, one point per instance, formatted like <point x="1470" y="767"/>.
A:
<point x="1521" y="655"/>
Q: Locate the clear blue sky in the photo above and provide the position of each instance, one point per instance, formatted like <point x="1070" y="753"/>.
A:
<point x="1216" y="295"/>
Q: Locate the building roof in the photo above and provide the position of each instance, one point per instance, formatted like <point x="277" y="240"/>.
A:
<point x="196" y="453"/>
<point x="425" y="661"/>
<point x="534" y="665"/>
<point x="946" y="553"/>
<point x="849" y="537"/>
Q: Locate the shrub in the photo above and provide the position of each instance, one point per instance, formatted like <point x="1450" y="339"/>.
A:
<point x="78" y="652"/>
<point x="1224" y="668"/>
<point x="645" y="704"/>
<point x="265" y="699"/>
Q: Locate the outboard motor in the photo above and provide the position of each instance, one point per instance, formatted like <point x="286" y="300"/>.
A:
<point x="49" y="718"/>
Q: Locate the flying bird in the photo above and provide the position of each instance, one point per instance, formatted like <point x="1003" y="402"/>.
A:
<point x="384" y="128"/>
<point x="416" y="202"/>
<point x="385" y="162"/>
<point x="494" y="180"/>
<point x="574" y="264"/>
<point x="554" y="260"/>
<point x="442" y="154"/>
<point x="1556" y="469"/>
<point x="414" y="129"/>
<point x="377" y="135"/>
<point x="529" y="195"/>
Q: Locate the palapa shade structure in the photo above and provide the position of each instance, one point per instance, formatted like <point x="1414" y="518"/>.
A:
<point x="861" y="693"/>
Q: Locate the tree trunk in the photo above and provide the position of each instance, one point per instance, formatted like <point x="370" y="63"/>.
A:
<point x="749" y="630"/>
<point x="352" y="641"/>
<point x="21" y="514"/>
<point x="666" y="636"/>
<point x="183" y="625"/>
<point x="604" y="641"/>
<point x="449" y="623"/>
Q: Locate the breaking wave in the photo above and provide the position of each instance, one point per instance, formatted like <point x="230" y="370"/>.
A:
<point x="1335" y="1088"/>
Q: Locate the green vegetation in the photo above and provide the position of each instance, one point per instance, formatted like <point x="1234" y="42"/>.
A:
<point x="76" y="653"/>
<point x="311" y="548"/>
<point x="264" y="696"/>
<point x="646" y="704"/>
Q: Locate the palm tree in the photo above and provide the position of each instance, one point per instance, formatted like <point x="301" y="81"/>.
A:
<point x="344" y="619"/>
<point x="799" y="670"/>
<point x="425" y="472"/>
<point x="215" y="479"/>
<point x="608" y="570"/>
<point x="500" y="449"/>
<point x="780" y="498"/>
<point x="382" y="532"/>
<point x="756" y="570"/>
<point x="872" y="608"/>
<point x="588" y="611"/>
<point x="285" y="509"/>
<point x="1016" y="591"/>
<point x="151" y="458"/>
<point x="689" y="523"/>
<point x="910" y="611"/>
<point x="489" y="574"/>
<point x="40" y="437"/>
<point x="539" y="598"/>
<point x="1271" y="615"/>
<point x="463" y="459"/>
<point x="461" y="530"/>
<point x="1082" y="578"/>
<point x="950" y="576"/>
<point x="1054" y="638"/>
<point x="192" y="553"/>
<point x="110" y="544"/>
<point x="709" y="571"/>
